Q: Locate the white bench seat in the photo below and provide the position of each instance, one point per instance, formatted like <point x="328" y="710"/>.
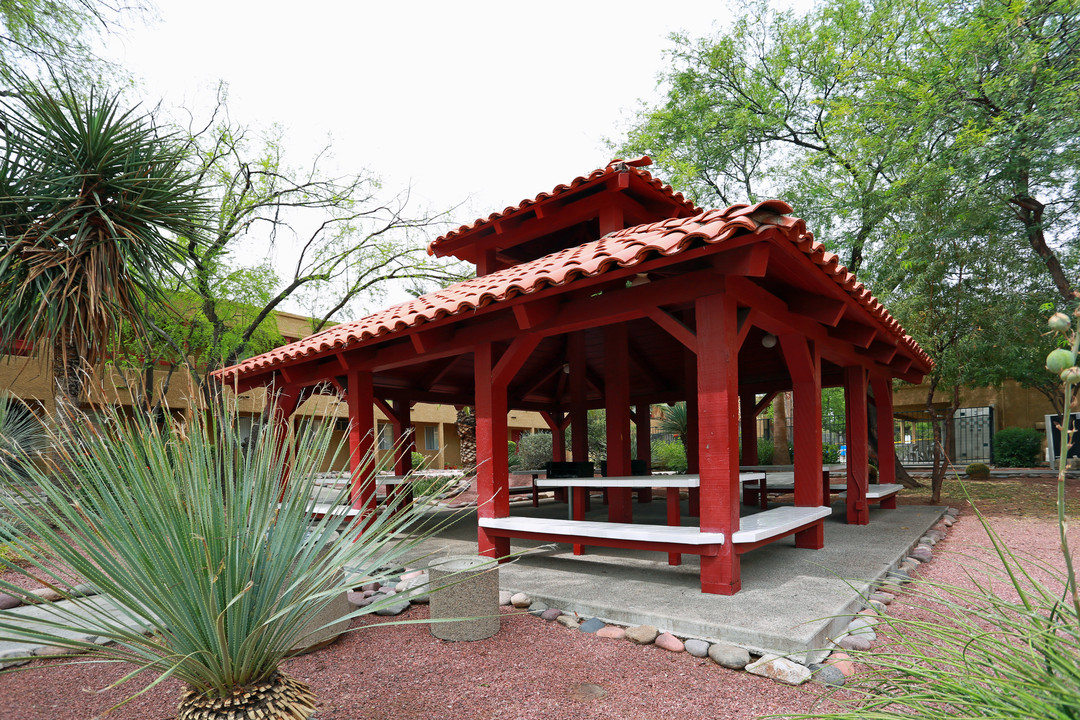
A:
<point x="777" y="522"/>
<point x="604" y="530"/>
<point x="879" y="492"/>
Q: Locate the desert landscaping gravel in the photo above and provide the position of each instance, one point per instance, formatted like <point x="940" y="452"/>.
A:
<point x="531" y="669"/>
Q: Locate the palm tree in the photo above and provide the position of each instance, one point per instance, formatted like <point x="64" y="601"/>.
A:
<point x="95" y="206"/>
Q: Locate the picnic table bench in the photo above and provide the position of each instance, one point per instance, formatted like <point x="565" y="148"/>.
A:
<point x="754" y="531"/>
<point x="884" y="495"/>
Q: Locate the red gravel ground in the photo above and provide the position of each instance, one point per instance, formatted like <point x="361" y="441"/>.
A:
<point x="530" y="669"/>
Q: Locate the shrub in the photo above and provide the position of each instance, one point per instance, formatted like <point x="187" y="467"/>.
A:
<point x="198" y="539"/>
<point x="534" y="450"/>
<point x="978" y="471"/>
<point x="764" y="451"/>
<point x="420" y="461"/>
<point x="1017" y="447"/>
<point x="830" y="454"/>
<point x="669" y="455"/>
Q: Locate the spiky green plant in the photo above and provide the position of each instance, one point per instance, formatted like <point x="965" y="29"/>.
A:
<point x="22" y="436"/>
<point x="196" y="537"/>
<point x="97" y="204"/>
<point x="1005" y="646"/>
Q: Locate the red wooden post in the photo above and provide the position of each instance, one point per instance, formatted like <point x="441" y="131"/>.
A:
<point x="579" y="421"/>
<point x="361" y="400"/>
<point x="284" y="401"/>
<point x="617" y="406"/>
<point x="748" y="425"/>
<point x="804" y="366"/>
<point x="718" y="436"/>
<point x="858" y="461"/>
<point x="554" y="422"/>
<point x="404" y="437"/>
<point x="492" y="461"/>
<point x="886" y="434"/>
<point x="693" y="465"/>
<point x="643" y="428"/>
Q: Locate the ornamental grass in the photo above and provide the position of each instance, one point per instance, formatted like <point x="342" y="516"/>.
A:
<point x="205" y="540"/>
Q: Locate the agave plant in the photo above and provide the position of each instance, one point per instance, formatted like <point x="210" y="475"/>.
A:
<point x="22" y="436"/>
<point x="206" y="544"/>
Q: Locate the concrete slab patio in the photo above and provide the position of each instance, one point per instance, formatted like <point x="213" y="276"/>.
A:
<point x="790" y="598"/>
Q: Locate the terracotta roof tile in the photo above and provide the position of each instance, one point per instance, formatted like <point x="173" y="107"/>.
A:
<point x="615" y="166"/>
<point x="621" y="249"/>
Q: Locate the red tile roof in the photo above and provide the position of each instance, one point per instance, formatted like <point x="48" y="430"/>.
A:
<point x="612" y="168"/>
<point x="622" y="249"/>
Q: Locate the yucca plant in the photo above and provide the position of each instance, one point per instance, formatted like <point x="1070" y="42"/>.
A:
<point x="97" y="205"/>
<point x="22" y="436"/>
<point x="1005" y="646"/>
<point x="205" y="542"/>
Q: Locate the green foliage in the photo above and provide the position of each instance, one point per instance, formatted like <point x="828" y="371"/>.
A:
<point x="534" y="450"/>
<point x="196" y="537"/>
<point x="1017" y="447"/>
<point x="419" y="460"/>
<point x="978" y="471"/>
<point x="513" y="461"/>
<point x="669" y="455"/>
<point x="92" y="200"/>
<point x="22" y="437"/>
<point x="830" y="454"/>
<point x="674" y="420"/>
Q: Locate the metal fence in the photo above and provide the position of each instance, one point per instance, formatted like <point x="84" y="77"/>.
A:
<point x="972" y="440"/>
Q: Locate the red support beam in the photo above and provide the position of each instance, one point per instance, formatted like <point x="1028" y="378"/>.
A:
<point x="886" y="434"/>
<point x="617" y="407"/>
<point x="858" y="459"/>
<point x="718" y="435"/>
<point x="556" y="422"/>
<point x="491" y="458"/>
<point x="690" y="361"/>
<point x="579" y="419"/>
<point x="404" y="437"/>
<point x="748" y="425"/>
<point x="643" y="427"/>
<point x="804" y="366"/>
<point x="361" y="401"/>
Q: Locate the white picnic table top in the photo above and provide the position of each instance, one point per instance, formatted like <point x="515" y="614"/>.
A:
<point x="637" y="481"/>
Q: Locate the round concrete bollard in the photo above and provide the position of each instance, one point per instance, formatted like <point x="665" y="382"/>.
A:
<point x="471" y="593"/>
<point x="311" y="637"/>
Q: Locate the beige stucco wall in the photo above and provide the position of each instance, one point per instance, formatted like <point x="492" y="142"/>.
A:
<point x="1014" y="405"/>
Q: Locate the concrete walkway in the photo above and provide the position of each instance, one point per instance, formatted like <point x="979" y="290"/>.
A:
<point x="30" y="617"/>
<point x="790" y="601"/>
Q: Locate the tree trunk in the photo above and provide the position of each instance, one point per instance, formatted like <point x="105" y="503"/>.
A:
<point x="466" y="429"/>
<point x="69" y="378"/>
<point x="780" y="454"/>
<point x="937" y="475"/>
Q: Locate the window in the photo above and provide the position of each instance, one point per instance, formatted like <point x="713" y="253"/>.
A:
<point x="431" y="438"/>
<point x="385" y="439"/>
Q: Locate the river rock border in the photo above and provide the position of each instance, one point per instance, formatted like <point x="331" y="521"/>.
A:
<point x="858" y="636"/>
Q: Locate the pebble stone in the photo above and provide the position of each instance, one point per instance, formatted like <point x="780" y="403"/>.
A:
<point x="890" y="588"/>
<point x="642" y="634"/>
<point x="611" y="631"/>
<point x="878" y="606"/>
<point x="899" y="575"/>
<point x="868" y="612"/>
<point x="520" y="600"/>
<point x="667" y="641"/>
<point x="922" y="554"/>
<point x="393" y="608"/>
<point x="842" y="662"/>
<point x="729" y="656"/>
<point x="948" y="521"/>
<point x="568" y="621"/>
<point x="882" y="597"/>
<point x="9" y="601"/>
<point x="952" y="511"/>
<point x="537" y="608"/>
<point x="43" y="594"/>
<point x="697" y="648"/>
<point x="504" y="597"/>
<point x="591" y="625"/>
<point x="780" y="669"/>
<point x="927" y="540"/>
<point x="913" y="560"/>
<point x="551" y="614"/>
<point x="863" y="627"/>
<point x="908" y="566"/>
<point x="829" y="675"/>
<point x="372" y="586"/>
<point x="858" y="643"/>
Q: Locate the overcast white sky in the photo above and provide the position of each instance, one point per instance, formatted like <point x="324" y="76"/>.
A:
<point x="478" y="102"/>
